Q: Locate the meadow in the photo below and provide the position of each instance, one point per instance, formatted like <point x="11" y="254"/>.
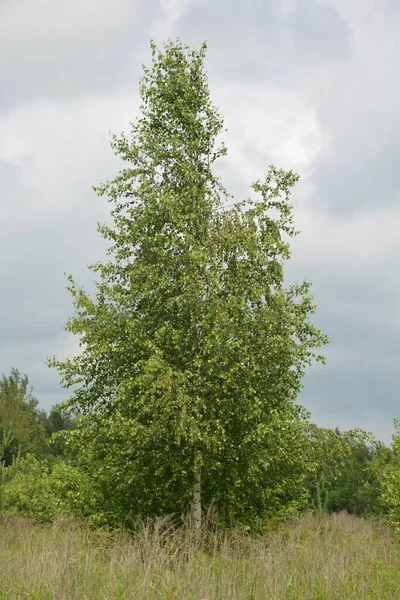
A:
<point x="332" y="557"/>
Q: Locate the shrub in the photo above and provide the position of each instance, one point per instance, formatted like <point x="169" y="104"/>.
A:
<point x="36" y="491"/>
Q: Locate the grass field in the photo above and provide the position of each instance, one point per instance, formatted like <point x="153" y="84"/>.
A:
<point x="310" y="558"/>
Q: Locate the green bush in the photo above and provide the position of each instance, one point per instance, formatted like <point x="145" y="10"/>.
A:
<point x="36" y="491"/>
<point x="29" y="491"/>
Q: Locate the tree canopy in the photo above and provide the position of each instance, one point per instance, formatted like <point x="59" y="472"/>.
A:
<point x="193" y="349"/>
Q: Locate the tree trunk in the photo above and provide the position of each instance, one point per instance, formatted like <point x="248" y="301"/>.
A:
<point x="196" y="506"/>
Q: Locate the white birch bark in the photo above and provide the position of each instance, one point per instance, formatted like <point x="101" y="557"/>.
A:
<point x="196" y="506"/>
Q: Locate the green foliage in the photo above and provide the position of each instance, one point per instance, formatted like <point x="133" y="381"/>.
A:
<point x="24" y="428"/>
<point x="58" y="420"/>
<point x="28" y="490"/>
<point x="344" y="473"/>
<point x="387" y="465"/>
<point x="320" y="500"/>
<point x="7" y="472"/>
<point x="32" y="479"/>
<point x="7" y="437"/>
<point x="193" y="350"/>
<point x="31" y="488"/>
<point x="22" y="424"/>
<point x="327" y="453"/>
<point x="57" y="423"/>
<point x="357" y="488"/>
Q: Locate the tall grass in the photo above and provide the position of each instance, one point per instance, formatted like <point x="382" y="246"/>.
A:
<point x="310" y="558"/>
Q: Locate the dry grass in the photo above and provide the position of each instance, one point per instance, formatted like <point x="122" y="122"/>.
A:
<point x="310" y="558"/>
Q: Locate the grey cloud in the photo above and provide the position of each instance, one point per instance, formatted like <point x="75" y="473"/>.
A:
<point x="32" y="277"/>
<point x="61" y="50"/>
<point x="15" y="193"/>
<point x="34" y="257"/>
<point x="252" y="40"/>
<point x="363" y="124"/>
<point x="349" y="181"/>
<point x="329" y="396"/>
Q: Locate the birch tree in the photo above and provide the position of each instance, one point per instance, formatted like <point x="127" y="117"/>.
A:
<point x="193" y="350"/>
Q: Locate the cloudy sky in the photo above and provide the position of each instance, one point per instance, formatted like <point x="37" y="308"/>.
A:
<point x="310" y="85"/>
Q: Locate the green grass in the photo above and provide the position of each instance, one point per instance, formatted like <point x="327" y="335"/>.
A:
<point x="336" y="557"/>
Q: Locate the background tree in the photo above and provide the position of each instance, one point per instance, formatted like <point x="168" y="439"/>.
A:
<point x="193" y="350"/>
<point x="386" y="467"/>
<point x="22" y="424"/>
<point x="58" y="422"/>
<point x="356" y="488"/>
<point x="342" y="475"/>
<point x="327" y="453"/>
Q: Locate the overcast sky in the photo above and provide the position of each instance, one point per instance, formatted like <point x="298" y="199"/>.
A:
<point x="310" y="85"/>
